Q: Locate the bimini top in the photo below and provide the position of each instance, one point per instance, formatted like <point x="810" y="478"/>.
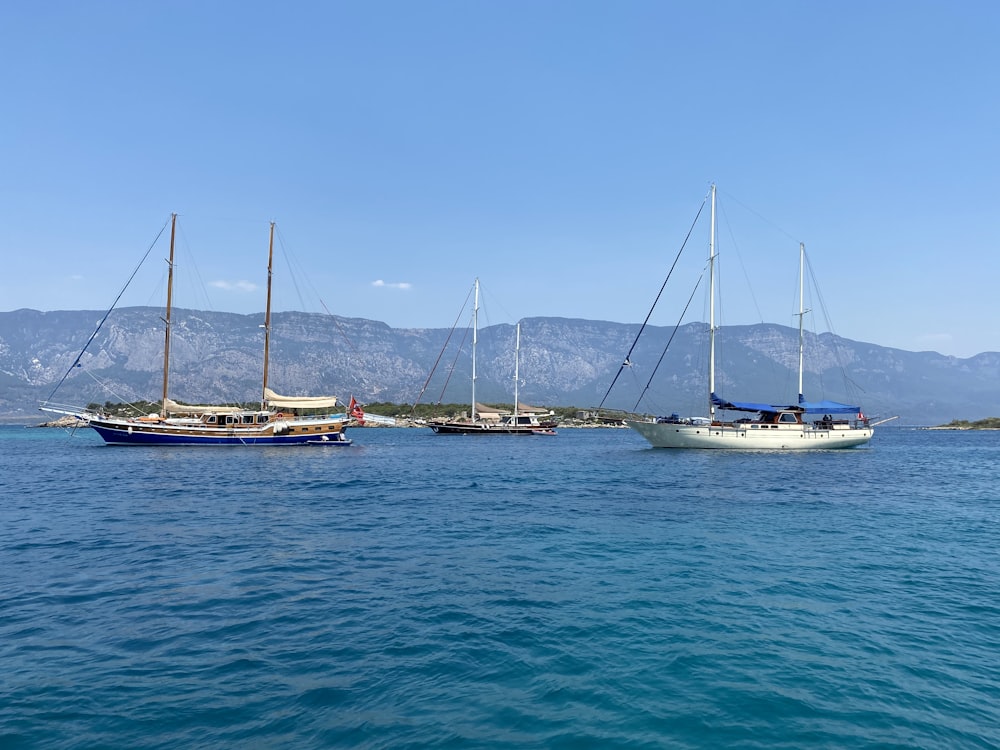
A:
<point x="807" y="407"/>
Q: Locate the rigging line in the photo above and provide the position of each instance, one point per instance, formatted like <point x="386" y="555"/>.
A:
<point x="292" y="263"/>
<point x="486" y="299"/>
<point x="200" y="294"/>
<point x="339" y="327"/>
<point x="627" y="361"/>
<point x="814" y="285"/>
<point x="287" y="255"/>
<point x="739" y="257"/>
<point x="76" y="362"/>
<point x="130" y="404"/>
<point x="669" y="341"/>
<point x="441" y="353"/>
<point x="454" y="363"/>
<point x="461" y="346"/>
<point x="635" y="383"/>
<point x="849" y="383"/>
<point x="759" y="215"/>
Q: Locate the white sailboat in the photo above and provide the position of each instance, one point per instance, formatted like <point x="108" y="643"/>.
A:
<point x="773" y="427"/>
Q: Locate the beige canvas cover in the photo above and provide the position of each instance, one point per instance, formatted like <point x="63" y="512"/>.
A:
<point x="487" y="413"/>
<point x="173" y="407"/>
<point x="492" y="412"/>
<point x="298" y="402"/>
<point x="525" y="409"/>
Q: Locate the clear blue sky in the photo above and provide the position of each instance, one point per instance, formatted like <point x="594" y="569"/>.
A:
<point x="557" y="150"/>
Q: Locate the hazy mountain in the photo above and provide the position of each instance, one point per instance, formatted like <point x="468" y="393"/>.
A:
<point x="217" y="357"/>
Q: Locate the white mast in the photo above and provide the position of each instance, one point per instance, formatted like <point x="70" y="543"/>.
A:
<point x="802" y="313"/>
<point x="711" y="312"/>
<point x="475" y="338"/>
<point x="517" y="359"/>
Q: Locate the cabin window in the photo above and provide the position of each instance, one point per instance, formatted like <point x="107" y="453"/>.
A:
<point x="211" y="419"/>
<point x="229" y="419"/>
<point x="248" y="419"/>
<point x="787" y="417"/>
<point x="261" y="419"/>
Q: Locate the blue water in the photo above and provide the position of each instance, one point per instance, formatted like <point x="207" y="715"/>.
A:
<point x="577" y="591"/>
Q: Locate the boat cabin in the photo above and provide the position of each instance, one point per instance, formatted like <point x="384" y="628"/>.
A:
<point x="781" y="417"/>
<point x="247" y="419"/>
<point x="772" y="419"/>
<point x="521" y="420"/>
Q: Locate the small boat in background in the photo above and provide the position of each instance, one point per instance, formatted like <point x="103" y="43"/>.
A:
<point x="522" y="421"/>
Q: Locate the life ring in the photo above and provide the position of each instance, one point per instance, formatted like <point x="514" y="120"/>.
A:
<point x="280" y="415"/>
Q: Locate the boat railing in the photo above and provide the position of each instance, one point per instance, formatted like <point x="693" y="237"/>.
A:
<point x="67" y="409"/>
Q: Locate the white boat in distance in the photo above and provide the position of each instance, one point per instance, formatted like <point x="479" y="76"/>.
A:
<point x="772" y="427"/>
<point x="522" y="421"/>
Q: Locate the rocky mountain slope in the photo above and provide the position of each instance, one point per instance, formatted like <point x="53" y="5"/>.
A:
<point x="217" y="357"/>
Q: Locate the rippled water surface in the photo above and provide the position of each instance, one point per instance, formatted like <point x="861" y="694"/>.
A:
<point x="576" y="591"/>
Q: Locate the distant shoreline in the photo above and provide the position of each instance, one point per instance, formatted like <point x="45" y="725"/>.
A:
<point x="963" y="429"/>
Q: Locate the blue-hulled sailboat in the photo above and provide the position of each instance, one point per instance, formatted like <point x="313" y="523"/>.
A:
<point x="280" y="420"/>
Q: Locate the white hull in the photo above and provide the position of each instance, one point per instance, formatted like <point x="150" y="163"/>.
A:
<point x="794" y="437"/>
<point x="775" y="427"/>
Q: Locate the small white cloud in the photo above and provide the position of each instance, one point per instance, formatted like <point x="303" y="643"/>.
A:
<point x="392" y="284"/>
<point x="234" y="286"/>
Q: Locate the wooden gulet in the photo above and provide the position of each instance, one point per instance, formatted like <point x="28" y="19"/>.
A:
<point x="517" y="423"/>
<point x="281" y="420"/>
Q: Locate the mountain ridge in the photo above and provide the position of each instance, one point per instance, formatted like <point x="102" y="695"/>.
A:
<point x="217" y="357"/>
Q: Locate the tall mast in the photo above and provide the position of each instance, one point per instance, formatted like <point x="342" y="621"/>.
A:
<point x="267" y="316"/>
<point x="711" y="312"/>
<point x="475" y="338"/>
<point x="802" y="313"/>
<point x="517" y="361"/>
<point x="166" y="319"/>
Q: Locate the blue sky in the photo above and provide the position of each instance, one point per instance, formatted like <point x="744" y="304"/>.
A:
<point x="557" y="150"/>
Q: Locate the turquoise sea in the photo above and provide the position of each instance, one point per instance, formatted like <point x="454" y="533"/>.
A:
<point x="424" y="591"/>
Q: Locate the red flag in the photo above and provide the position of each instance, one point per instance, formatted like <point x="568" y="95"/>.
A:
<point x="356" y="411"/>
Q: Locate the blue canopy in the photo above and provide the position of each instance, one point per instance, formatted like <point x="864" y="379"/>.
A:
<point x="808" y="407"/>
<point x="827" y="407"/>
<point x="743" y="405"/>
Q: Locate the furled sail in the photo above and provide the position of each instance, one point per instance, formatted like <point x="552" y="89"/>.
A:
<point x="298" y="402"/>
<point x="808" y="407"/>
<point x="172" y="407"/>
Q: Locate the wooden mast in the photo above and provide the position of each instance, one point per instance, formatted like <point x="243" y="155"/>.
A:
<point x="267" y="316"/>
<point x="166" y="318"/>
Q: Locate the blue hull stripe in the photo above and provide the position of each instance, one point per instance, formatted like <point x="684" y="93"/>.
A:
<point x="116" y="436"/>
